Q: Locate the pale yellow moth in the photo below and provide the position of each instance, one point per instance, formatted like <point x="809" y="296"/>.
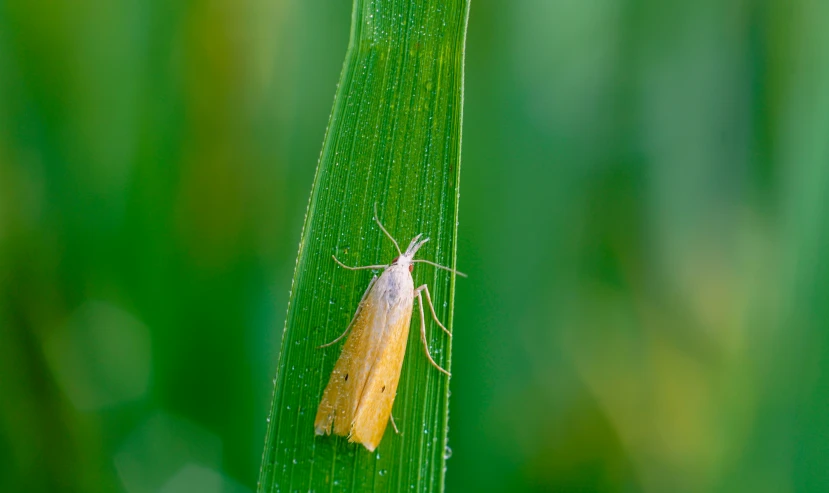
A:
<point x="360" y="394"/>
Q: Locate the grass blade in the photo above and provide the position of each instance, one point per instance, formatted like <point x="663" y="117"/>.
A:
<point x="394" y="138"/>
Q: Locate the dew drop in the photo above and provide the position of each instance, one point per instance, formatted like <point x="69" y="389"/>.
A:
<point x="447" y="453"/>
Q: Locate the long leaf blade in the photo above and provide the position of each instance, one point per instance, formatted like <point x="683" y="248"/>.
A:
<point x="393" y="139"/>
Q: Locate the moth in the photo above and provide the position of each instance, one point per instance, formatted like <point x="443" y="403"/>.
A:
<point x="358" y="399"/>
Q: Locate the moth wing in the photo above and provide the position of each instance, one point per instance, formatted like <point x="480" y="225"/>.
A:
<point x="342" y="394"/>
<point x="375" y="405"/>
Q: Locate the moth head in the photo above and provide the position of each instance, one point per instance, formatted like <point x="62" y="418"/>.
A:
<point x="406" y="258"/>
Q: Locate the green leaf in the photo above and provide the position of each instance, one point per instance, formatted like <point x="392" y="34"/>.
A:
<point x="394" y="139"/>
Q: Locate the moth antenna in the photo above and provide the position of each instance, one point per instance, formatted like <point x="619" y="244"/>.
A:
<point x="377" y="218"/>
<point x="440" y="267"/>
<point x="372" y="267"/>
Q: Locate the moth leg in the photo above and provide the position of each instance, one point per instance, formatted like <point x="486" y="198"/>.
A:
<point x="393" y="424"/>
<point x="359" y="308"/>
<point x="423" y="332"/>
<point x="358" y="268"/>
<point x="425" y="288"/>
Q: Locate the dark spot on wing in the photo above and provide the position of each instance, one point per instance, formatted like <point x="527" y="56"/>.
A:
<point x="346" y="377"/>
<point x="383" y="389"/>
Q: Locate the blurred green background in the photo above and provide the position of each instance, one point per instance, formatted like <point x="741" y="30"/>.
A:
<point x="644" y="218"/>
